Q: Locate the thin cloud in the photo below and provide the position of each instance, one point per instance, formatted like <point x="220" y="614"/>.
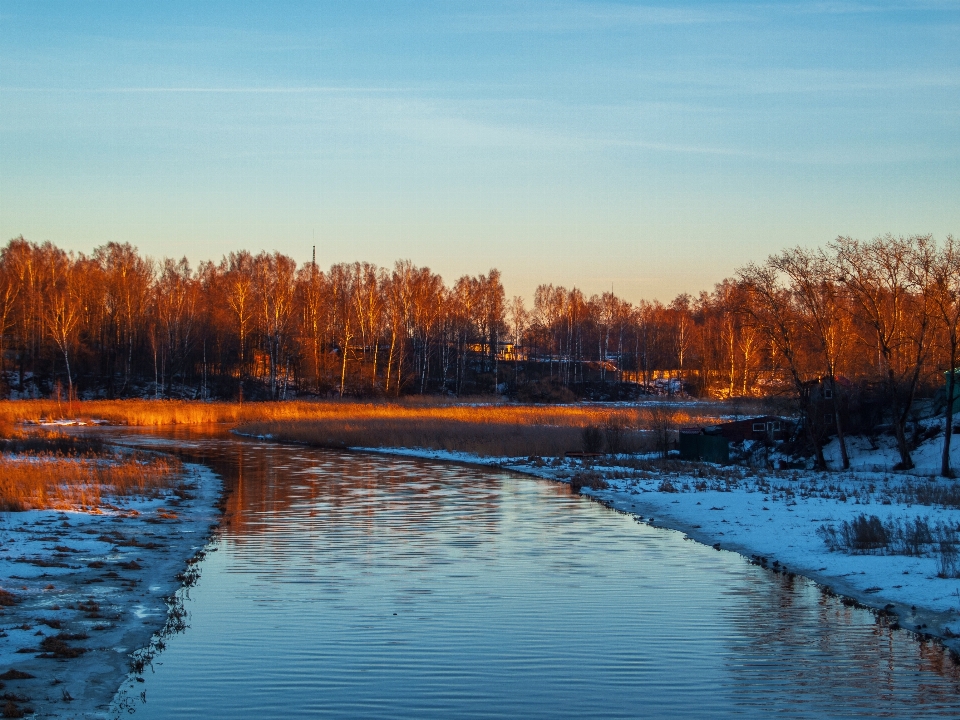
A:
<point x="580" y="16"/>
<point x="212" y="90"/>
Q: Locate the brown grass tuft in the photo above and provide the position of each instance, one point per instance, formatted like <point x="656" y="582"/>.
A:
<point x="13" y="674"/>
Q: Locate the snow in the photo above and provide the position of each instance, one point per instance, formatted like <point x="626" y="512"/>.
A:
<point x="125" y="558"/>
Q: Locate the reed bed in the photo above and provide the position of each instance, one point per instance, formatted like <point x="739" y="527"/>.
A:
<point x="174" y="412"/>
<point x="52" y="481"/>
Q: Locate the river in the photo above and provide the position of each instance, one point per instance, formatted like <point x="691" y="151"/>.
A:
<point x="366" y="586"/>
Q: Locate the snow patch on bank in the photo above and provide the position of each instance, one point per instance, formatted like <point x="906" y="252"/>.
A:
<point x="101" y="583"/>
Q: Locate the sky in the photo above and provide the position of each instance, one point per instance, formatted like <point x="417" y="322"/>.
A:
<point x="651" y="149"/>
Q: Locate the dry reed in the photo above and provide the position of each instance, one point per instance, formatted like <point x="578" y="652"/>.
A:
<point x="176" y="412"/>
<point x="48" y="481"/>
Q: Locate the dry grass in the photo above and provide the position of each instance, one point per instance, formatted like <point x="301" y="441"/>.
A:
<point x="50" y="481"/>
<point x="175" y="412"/>
<point x="46" y="442"/>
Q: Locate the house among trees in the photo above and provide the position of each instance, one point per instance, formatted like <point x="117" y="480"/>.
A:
<point x="824" y="399"/>
<point x="764" y="428"/>
<point x="712" y="443"/>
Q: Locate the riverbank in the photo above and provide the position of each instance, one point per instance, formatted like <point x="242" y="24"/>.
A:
<point x="775" y="519"/>
<point x="84" y="591"/>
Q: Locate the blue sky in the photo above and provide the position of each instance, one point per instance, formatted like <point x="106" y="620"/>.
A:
<point x="648" y="148"/>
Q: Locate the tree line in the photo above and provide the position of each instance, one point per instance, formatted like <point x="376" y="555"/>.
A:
<point x="867" y="323"/>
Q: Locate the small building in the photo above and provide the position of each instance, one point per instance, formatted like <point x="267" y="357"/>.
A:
<point x="712" y="443"/>
<point x="697" y="444"/>
<point x="764" y="427"/>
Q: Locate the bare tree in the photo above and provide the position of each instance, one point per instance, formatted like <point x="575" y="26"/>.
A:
<point x="771" y="307"/>
<point x="682" y="336"/>
<point x="946" y="298"/>
<point x="10" y="285"/>
<point x="128" y="282"/>
<point x="889" y="279"/>
<point x="273" y="285"/>
<point x="239" y="275"/>
<point x="64" y="307"/>
<point x="176" y="315"/>
<point x="823" y="312"/>
<point x="342" y="289"/>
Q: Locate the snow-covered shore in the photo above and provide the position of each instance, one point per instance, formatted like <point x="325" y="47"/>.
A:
<point x="92" y="591"/>
<point x="776" y="517"/>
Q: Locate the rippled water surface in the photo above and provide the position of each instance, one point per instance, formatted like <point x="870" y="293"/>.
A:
<point x="361" y="586"/>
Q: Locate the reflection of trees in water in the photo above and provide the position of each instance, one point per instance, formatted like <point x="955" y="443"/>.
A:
<point x="262" y="479"/>
<point x="831" y="659"/>
<point x="405" y="499"/>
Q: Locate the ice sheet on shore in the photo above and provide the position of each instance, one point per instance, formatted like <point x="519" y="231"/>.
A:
<point x="106" y="576"/>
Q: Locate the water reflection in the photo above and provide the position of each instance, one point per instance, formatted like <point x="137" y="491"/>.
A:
<point x="365" y="586"/>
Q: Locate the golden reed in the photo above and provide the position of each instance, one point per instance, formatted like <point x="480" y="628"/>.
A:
<point x="180" y="412"/>
<point x="48" y="481"/>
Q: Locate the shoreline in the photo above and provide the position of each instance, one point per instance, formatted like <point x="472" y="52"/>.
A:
<point x="862" y="580"/>
<point x="97" y="592"/>
<point x="73" y="590"/>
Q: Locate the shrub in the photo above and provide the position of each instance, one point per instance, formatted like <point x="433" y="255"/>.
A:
<point x="947" y="565"/>
<point x="590" y="480"/>
<point x="614" y="430"/>
<point x="896" y="536"/>
<point x="866" y="533"/>
<point x="545" y="391"/>
<point x="591" y="439"/>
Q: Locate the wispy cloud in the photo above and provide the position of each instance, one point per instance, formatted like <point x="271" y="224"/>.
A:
<point x="583" y="16"/>
<point x="279" y="90"/>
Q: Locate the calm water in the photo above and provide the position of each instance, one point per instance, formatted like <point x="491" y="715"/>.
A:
<point x="360" y="586"/>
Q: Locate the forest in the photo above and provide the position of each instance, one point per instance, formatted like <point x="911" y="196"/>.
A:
<point x="869" y="325"/>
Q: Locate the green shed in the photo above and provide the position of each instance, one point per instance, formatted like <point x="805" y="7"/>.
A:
<point x="695" y="445"/>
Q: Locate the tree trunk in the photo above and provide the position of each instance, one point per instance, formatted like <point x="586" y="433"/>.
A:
<point x="945" y="468"/>
<point x="393" y="341"/>
<point x="844" y="457"/>
<point x="343" y="370"/>
<point x="841" y="440"/>
<point x="899" y="420"/>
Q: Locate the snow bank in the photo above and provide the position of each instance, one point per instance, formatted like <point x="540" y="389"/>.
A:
<point x="96" y="586"/>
